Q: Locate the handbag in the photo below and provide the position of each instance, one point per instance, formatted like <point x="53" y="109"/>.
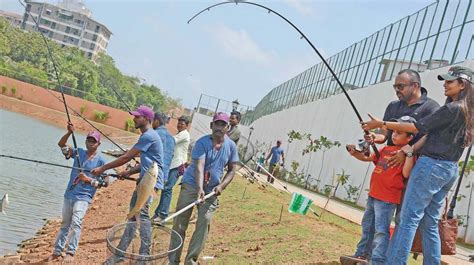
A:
<point x="448" y="233"/>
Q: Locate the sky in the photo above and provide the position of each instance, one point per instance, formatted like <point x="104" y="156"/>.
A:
<point x="233" y="51"/>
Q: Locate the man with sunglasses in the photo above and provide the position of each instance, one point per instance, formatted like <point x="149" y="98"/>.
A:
<point x="414" y="102"/>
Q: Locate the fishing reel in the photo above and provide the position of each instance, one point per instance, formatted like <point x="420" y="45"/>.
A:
<point x="66" y="151"/>
<point x="362" y="147"/>
<point x="100" y="182"/>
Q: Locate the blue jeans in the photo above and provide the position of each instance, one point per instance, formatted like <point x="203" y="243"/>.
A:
<point x="163" y="208"/>
<point x="145" y="229"/>
<point x="72" y="216"/>
<point x="428" y="186"/>
<point x="376" y="230"/>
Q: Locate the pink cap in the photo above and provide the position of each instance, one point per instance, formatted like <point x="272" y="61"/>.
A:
<point x="95" y="135"/>
<point x="221" y="116"/>
<point x="144" y="111"/>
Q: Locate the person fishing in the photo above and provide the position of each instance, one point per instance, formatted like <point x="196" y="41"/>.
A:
<point x="210" y="155"/>
<point x="80" y="190"/>
<point x="449" y="130"/>
<point x="385" y="194"/>
<point x="150" y="149"/>
<point x="276" y="153"/>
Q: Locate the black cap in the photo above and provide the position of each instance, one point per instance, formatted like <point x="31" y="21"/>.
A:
<point x="407" y="119"/>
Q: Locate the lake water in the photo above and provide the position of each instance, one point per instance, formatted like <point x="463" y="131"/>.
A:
<point x="35" y="190"/>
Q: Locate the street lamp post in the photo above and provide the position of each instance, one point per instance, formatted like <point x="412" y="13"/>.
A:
<point x="235" y="105"/>
<point x="248" y="141"/>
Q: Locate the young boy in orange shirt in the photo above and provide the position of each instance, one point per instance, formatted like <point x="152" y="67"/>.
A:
<point x="386" y="185"/>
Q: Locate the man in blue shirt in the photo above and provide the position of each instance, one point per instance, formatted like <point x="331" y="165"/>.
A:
<point x="275" y="153"/>
<point x="210" y="155"/>
<point x="150" y="149"/>
<point x="168" y="151"/>
<point x="79" y="192"/>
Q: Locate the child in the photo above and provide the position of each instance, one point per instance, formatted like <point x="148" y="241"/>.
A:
<point x="385" y="194"/>
<point x="79" y="192"/>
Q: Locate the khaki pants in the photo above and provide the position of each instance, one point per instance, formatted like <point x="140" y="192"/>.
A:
<point x="188" y="195"/>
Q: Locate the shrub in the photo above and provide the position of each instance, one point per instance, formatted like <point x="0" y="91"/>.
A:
<point x="101" y="116"/>
<point x="13" y="89"/>
<point x="130" y="125"/>
<point x="4" y="89"/>
<point x="83" y="109"/>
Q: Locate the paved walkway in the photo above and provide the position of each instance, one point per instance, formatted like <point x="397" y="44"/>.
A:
<point x="354" y="215"/>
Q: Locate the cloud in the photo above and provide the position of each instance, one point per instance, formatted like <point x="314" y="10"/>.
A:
<point x="240" y="45"/>
<point x="301" y="6"/>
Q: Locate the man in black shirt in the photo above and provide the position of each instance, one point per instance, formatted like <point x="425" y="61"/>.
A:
<point x="412" y="101"/>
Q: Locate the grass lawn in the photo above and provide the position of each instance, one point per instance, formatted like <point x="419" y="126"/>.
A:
<point x="248" y="230"/>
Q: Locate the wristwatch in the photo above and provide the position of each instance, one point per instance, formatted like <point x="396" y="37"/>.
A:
<point x="409" y="154"/>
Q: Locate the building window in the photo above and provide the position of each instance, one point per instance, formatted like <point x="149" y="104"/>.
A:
<point x="97" y="28"/>
<point x="89" y="55"/>
<point x="68" y="29"/>
<point x="53" y="25"/>
<point x="48" y="12"/>
<point x="92" y="46"/>
<point x="51" y="34"/>
<point x="94" y="38"/>
<point x="28" y="8"/>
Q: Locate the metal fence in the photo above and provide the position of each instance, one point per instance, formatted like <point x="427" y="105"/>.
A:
<point x="208" y="105"/>
<point x="438" y="35"/>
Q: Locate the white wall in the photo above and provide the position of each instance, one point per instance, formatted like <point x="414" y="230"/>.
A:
<point x="335" y="119"/>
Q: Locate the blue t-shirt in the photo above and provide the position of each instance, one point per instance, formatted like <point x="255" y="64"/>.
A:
<point x="215" y="161"/>
<point x="276" y="153"/>
<point x="151" y="150"/>
<point x="83" y="191"/>
<point x="168" y="149"/>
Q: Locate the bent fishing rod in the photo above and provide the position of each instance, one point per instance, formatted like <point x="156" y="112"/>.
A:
<point x="303" y="36"/>
<point x="58" y="80"/>
<point x="64" y="166"/>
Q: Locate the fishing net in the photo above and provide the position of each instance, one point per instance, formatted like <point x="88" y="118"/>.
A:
<point x="143" y="243"/>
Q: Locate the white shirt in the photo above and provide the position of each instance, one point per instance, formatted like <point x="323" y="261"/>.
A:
<point x="182" y="140"/>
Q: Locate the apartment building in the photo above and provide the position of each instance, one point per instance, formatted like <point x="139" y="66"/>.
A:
<point x="14" y="19"/>
<point x="68" y="23"/>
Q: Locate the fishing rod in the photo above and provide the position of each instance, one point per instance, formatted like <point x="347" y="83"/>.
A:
<point x="58" y="79"/>
<point x="64" y="166"/>
<point x="376" y="151"/>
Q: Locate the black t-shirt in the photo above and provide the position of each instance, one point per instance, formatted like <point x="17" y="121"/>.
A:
<point x="397" y="109"/>
<point x="446" y="129"/>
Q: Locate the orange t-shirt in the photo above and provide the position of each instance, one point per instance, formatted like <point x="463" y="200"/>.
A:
<point x="386" y="183"/>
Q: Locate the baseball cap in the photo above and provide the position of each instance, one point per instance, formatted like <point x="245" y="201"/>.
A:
<point x="95" y="135"/>
<point x="407" y="119"/>
<point x="456" y="72"/>
<point x="220" y="116"/>
<point x="144" y="111"/>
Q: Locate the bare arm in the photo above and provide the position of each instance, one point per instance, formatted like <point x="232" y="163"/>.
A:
<point x="398" y="126"/>
<point x="409" y="161"/>
<point x="62" y="142"/>
<point x="283" y="158"/>
<point x="129" y="155"/>
<point x="199" y="176"/>
<point x="229" y="176"/>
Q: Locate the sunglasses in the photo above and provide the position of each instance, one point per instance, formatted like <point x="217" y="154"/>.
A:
<point x="400" y="87"/>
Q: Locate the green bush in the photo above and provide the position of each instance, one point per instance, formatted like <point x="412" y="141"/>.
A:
<point x="130" y="125"/>
<point x="4" y="89"/>
<point x="101" y="116"/>
<point x="83" y="109"/>
<point x="13" y="89"/>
